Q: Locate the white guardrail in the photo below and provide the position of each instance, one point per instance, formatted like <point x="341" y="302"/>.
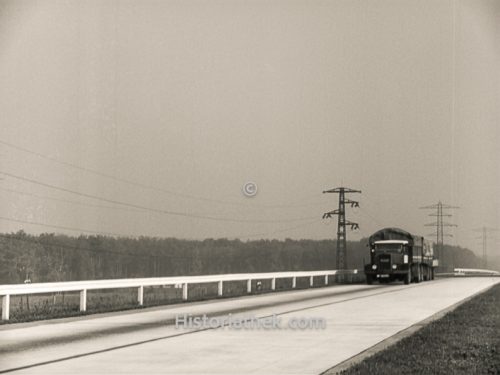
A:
<point x="473" y="271"/>
<point x="83" y="286"/>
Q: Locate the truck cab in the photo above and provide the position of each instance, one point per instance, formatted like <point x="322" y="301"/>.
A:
<point x="389" y="260"/>
<point x="398" y="255"/>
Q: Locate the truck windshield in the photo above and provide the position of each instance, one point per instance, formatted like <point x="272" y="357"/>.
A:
<point x="388" y="248"/>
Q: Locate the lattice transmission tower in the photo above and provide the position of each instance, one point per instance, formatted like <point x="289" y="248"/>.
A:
<point x="440" y="224"/>
<point x="484" y="237"/>
<point x="341" y="259"/>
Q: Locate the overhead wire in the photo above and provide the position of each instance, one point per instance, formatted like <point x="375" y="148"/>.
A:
<point x="109" y="233"/>
<point x="129" y="206"/>
<point x="63" y="227"/>
<point x="150" y="187"/>
<point x="279" y="230"/>
<point x="145" y="208"/>
<point x="68" y="201"/>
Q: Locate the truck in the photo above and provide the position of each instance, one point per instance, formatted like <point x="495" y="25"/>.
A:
<point x="399" y="255"/>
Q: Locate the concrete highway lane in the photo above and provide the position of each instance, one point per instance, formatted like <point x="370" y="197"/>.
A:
<point x="296" y="332"/>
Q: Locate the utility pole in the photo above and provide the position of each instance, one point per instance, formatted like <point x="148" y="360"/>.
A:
<point x="484" y="237"/>
<point x="341" y="261"/>
<point x="439" y="224"/>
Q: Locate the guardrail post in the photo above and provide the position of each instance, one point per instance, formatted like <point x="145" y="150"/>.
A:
<point x="220" y="287"/>
<point x="249" y="286"/>
<point x="294" y="282"/>
<point x="140" y="295"/>
<point x="185" y="291"/>
<point x="5" y="307"/>
<point x="326" y="279"/>
<point x="273" y="283"/>
<point x="83" y="300"/>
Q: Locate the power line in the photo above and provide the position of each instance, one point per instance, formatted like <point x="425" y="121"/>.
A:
<point x="439" y="224"/>
<point x="341" y="258"/>
<point x="79" y="230"/>
<point x="136" y="206"/>
<point x="485" y="231"/>
<point x="69" y="201"/>
<point x="73" y="202"/>
<point x="63" y="227"/>
<point x="279" y="230"/>
<point x="115" y="178"/>
<point x="373" y="218"/>
<point x="145" y="186"/>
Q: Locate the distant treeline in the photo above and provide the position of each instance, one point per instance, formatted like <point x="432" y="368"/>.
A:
<point x="55" y="257"/>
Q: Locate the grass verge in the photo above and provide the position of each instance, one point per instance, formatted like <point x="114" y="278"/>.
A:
<point x="464" y="341"/>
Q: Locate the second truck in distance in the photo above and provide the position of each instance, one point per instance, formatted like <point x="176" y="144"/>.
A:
<point x="398" y="255"/>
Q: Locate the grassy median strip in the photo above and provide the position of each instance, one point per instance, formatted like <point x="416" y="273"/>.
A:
<point x="464" y="341"/>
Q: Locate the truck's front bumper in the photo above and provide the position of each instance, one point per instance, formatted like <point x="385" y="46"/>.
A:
<point x="392" y="272"/>
<point x="401" y="270"/>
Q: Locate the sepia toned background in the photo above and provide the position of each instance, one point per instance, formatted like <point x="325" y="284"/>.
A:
<point x="174" y="105"/>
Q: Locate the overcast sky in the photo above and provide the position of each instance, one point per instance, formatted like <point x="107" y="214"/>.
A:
<point x="399" y="99"/>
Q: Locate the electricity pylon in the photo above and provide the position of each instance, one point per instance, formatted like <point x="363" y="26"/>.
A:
<point x="440" y="224"/>
<point x="341" y="261"/>
<point x="484" y="237"/>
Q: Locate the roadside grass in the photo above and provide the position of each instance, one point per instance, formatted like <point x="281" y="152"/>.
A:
<point x="464" y="341"/>
<point x="24" y="308"/>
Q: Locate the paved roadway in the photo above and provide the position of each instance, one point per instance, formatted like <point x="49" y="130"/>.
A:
<point x="356" y="317"/>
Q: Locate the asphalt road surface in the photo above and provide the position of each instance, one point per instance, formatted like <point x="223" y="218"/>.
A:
<point x="296" y="332"/>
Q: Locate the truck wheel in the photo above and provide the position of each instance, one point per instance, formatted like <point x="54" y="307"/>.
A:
<point x="369" y="279"/>
<point x="408" y="277"/>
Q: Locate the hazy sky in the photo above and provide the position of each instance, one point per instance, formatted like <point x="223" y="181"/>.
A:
<point x="397" y="98"/>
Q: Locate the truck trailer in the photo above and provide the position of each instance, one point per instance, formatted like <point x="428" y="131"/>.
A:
<point x="398" y="255"/>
